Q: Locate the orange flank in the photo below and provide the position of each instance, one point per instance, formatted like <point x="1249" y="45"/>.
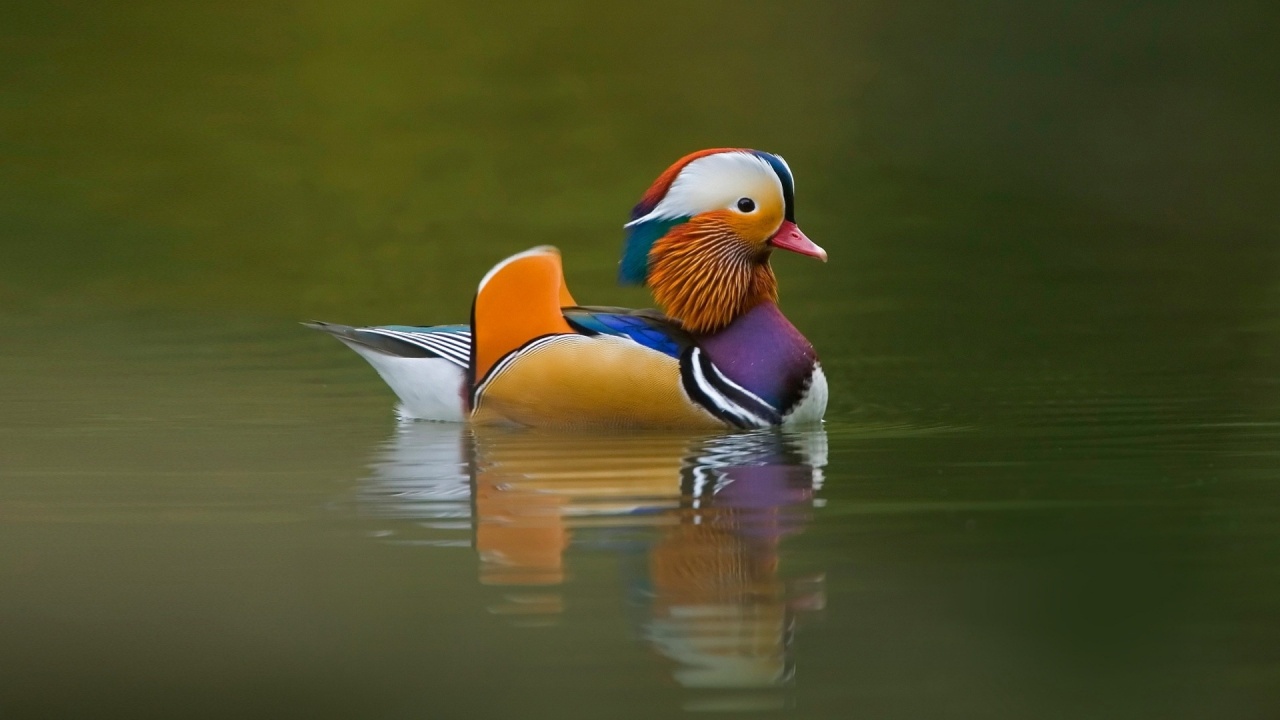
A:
<point x="519" y="300"/>
<point x="601" y="381"/>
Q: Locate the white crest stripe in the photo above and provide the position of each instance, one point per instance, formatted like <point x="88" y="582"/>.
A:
<point x="713" y="182"/>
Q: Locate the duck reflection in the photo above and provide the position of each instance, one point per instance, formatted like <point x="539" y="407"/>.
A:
<point x="697" y="522"/>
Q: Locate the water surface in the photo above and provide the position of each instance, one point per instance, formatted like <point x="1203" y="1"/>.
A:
<point x="1047" y="486"/>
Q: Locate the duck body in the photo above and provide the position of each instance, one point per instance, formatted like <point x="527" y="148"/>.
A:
<point x="618" y="368"/>
<point x="533" y="356"/>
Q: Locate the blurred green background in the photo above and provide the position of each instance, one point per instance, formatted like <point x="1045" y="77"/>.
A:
<point x="370" y="159"/>
<point x="1051" y="321"/>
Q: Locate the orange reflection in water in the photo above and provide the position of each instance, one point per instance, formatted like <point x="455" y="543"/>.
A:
<point x="713" y="510"/>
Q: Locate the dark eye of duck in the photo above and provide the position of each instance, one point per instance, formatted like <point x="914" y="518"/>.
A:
<point x="746" y="205"/>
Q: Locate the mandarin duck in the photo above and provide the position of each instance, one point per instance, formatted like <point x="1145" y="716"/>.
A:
<point x="722" y="355"/>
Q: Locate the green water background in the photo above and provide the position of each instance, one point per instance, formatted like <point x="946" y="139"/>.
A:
<point x="1051" y="320"/>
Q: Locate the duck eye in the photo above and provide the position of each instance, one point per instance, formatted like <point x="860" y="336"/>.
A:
<point x="746" y="205"/>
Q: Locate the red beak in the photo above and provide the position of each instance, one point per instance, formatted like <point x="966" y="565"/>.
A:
<point x="790" y="238"/>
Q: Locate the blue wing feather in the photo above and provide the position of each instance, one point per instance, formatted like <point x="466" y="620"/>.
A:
<point x="654" y="332"/>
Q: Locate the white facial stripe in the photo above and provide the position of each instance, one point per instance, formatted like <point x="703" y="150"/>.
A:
<point x="716" y="182"/>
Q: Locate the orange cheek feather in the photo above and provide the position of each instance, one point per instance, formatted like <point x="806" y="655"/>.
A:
<point x="757" y="227"/>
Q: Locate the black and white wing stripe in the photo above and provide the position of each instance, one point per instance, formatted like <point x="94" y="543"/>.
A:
<point x="452" y="344"/>
<point x="720" y="396"/>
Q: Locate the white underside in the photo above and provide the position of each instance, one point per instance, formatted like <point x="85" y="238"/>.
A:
<point x="428" y="388"/>
<point x="814" y="403"/>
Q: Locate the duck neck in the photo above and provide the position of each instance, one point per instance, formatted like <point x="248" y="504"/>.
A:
<point x="764" y="353"/>
<point x="705" y="276"/>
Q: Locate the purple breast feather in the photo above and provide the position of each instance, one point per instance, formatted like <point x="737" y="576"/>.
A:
<point x="764" y="353"/>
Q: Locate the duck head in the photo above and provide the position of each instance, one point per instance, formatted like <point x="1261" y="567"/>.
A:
<point x="701" y="236"/>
